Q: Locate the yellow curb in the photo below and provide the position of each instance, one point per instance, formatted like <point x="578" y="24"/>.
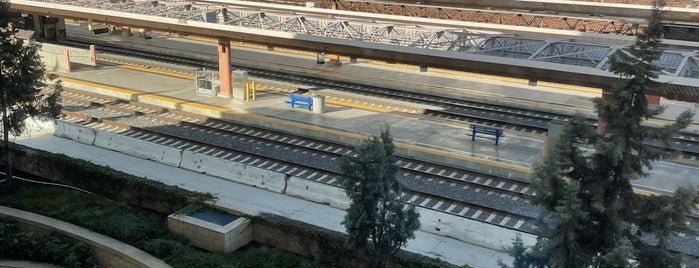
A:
<point x="154" y="71"/>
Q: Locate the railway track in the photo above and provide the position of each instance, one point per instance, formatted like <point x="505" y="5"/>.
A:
<point x="446" y="189"/>
<point x="440" y="103"/>
<point x="441" y="194"/>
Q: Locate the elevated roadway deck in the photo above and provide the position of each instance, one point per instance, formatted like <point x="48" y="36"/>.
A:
<point x="535" y="54"/>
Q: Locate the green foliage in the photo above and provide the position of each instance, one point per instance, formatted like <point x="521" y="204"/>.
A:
<point x="592" y="218"/>
<point x="376" y="211"/>
<point x="22" y="79"/>
<point x="113" y="219"/>
<point x="137" y="227"/>
<point x="53" y="248"/>
<point x="105" y="181"/>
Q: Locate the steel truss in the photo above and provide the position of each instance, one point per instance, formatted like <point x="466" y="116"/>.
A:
<point x="567" y="52"/>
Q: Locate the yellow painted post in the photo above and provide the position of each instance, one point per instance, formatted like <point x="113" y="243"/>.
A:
<point x="254" y="89"/>
<point x="247" y="97"/>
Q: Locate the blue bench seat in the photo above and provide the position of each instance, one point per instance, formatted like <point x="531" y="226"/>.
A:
<point x="496" y="132"/>
<point x="300" y="100"/>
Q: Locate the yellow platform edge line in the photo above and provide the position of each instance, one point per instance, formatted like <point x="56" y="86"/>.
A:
<point x="466" y="157"/>
<point x="161" y="72"/>
<point x="98" y="85"/>
<point x="140" y="94"/>
<point x="365" y="107"/>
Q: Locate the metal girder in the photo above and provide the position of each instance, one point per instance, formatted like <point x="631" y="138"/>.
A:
<point x="567" y="52"/>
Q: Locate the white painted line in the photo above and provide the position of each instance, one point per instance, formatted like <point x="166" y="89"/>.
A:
<point x="464" y="210"/>
<point x="478" y="213"/>
<point x="519" y="224"/>
<point x="491" y="217"/>
<point x="450" y="208"/>
<point x="437" y="205"/>
<point x="505" y="220"/>
<point x="427" y="200"/>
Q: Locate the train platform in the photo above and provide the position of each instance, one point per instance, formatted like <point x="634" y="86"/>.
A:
<point x="516" y="151"/>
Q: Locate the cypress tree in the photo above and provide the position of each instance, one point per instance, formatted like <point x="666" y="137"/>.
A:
<point x="376" y="213"/>
<point x="22" y="78"/>
<point x="593" y="218"/>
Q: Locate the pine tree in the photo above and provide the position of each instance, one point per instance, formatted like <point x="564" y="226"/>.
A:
<point x="376" y="212"/>
<point x="593" y="216"/>
<point x="22" y="78"/>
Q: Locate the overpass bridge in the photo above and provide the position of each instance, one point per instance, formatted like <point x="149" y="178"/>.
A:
<point x="536" y="54"/>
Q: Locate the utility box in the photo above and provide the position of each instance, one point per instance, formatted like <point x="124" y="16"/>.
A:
<point x="318" y="104"/>
<point x="205" y="84"/>
<point x="212" y="230"/>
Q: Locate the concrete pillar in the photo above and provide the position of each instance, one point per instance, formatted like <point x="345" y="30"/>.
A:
<point x="93" y="55"/>
<point x="320" y="57"/>
<point x="532" y="82"/>
<point x="653" y="100"/>
<point x="66" y="60"/>
<point x="606" y="95"/>
<point x="270" y="48"/>
<point x="61" y="33"/>
<point x="224" y="66"/>
<point x="38" y="25"/>
<point x="126" y="31"/>
<point x="423" y="68"/>
<point x="554" y="132"/>
<point x="353" y="59"/>
<point x="239" y="78"/>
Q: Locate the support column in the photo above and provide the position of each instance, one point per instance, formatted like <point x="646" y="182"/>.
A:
<point x="66" y="60"/>
<point x="653" y="100"/>
<point x="93" y="55"/>
<point x="224" y="66"/>
<point x="606" y="95"/>
<point x="61" y="33"/>
<point x="126" y="31"/>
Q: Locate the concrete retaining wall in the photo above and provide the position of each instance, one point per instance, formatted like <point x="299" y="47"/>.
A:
<point x="317" y="192"/>
<point x="109" y="252"/>
<point x="138" y="148"/>
<point x="470" y="231"/>
<point x="75" y="132"/>
<point x="241" y="173"/>
<point x="53" y="56"/>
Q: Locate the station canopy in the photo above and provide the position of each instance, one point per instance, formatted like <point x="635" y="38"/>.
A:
<point x="677" y="62"/>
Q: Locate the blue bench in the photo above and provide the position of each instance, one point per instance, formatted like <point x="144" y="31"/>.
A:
<point x="497" y="132"/>
<point x="300" y="100"/>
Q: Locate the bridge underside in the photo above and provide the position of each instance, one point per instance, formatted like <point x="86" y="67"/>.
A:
<point x="571" y="61"/>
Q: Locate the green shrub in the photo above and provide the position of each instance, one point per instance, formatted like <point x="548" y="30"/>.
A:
<point x="53" y="248"/>
<point x="162" y="248"/>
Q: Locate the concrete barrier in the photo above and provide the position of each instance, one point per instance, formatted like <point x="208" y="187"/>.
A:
<point x="75" y="132"/>
<point x="138" y="148"/>
<point x="233" y="171"/>
<point x="317" y="192"/>
<point x="470" y="231"/>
